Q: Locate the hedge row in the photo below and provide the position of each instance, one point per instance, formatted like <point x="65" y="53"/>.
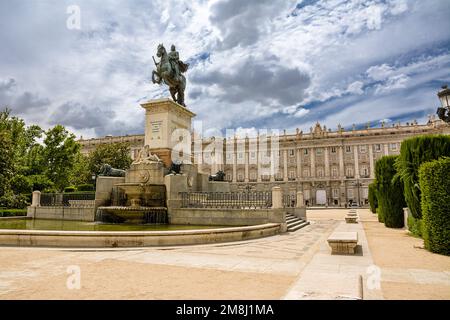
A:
<point x="434" y="182"/>
<point x="373" y="197"/>
<point x="80" y="188"/>
<point x="389" y="193"/>
<point x="13" y="212"/>
<point x="413" y="153"/>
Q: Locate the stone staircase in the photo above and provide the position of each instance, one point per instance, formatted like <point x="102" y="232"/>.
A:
<point x="294" y="223"/>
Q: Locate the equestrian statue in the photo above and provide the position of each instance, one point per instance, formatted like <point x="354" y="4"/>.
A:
<point x="169" y="70"/>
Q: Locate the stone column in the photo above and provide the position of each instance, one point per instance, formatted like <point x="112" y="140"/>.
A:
<point x="234" y="167"/>
<point x="300" y="199"/>
<point x="277" y="198"/>
<point x="343" y="194"/>
<point x="299" y="164"/>
<point x="273" y="168"/>
<point x="246" y="158"/>
<point x="285" y="165"/>
<point x="355" y="155"/>
<point x="341" y="162"/>
<point x="371" y="162"/>
<point x="258" y="174"/>
<point x="327" y="162"/>
<point x="313" y="162"/>
<point x="386" y="149"/>
<point x="36" y="200"/>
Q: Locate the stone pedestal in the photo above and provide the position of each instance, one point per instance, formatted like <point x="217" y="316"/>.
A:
<point x="277" y="198"/>
<point x="300" y="200"/>
<point x="167" y="125"/>
<point x="36" y="200"/>
<point x="104" y="186"/>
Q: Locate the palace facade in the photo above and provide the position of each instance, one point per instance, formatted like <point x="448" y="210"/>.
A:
<point x="332" y="168"/>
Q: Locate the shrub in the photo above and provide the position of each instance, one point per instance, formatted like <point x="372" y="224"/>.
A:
<point x="413" y="153"/>
<point x="380" y="215"/>
<point x="389" y="193"/>
<point x="373" y="197"/>
<point x="415" y="226"/>
<point x="13" y="201"/>
<point x="434" y="183"/>
<point x="12" y="212"/>
<point x="85" y="187"/>
<point x="70" y="189"/>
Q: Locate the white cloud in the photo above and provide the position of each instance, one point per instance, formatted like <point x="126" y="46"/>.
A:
<point x="344" y="54"/>
<point x="395" y="82"/>
<point x="356" y="87"/>
<point x="301" y="112"/>
<point x="380" y="73"/>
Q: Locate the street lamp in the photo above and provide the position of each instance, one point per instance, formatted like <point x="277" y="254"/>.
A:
<point x="444" y="110"/>
<point x="94" y="180"/>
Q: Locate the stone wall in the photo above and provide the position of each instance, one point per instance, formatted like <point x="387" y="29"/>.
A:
<point x="226" y="217"/>
<point x="63" y="213"/>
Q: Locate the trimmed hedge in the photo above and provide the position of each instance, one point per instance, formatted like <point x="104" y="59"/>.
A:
<point x="389" y="193"/>
<point x="434" y="182"/>
<point x="70" y="189"/>
<point x="85" y="187"/>
<point x="373" y="197"/>
<point x="413" y="153"/>
<point x="13" y="212"/>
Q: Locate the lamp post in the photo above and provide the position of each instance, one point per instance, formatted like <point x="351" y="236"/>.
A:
<point x="94" y="180"/>
<point x="444" y="110"/>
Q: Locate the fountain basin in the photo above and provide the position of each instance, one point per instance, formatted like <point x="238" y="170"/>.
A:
<point x="132" y="215"/>
<point x="113" y="239"/>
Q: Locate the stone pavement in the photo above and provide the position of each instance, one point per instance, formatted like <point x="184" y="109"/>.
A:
<point x="296" y="265"/>
<point x="336" y="276"/>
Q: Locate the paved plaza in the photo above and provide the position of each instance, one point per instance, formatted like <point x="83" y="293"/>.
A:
<point x="295" y="265"/>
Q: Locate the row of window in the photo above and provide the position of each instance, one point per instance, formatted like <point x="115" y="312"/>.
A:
<point x="292" y="175"/>
<point x="319" y="151"/>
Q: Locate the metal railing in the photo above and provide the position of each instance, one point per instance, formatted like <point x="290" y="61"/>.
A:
<point x="289" y="201"/>
<point x="65" y="199"/>
<point x="230" y="200"/>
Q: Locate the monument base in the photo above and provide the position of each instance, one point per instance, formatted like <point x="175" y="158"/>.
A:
<point x="163" y="120"/>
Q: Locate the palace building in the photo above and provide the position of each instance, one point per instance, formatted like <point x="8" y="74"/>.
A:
<point x="332" y="168"/>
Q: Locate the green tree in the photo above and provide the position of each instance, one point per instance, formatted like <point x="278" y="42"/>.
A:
<point x="116" y="154"/>
<point x="59" y="155"/>
<point x="6" y="154"/>
<point x="81" y="173"/>
<point x="389" y="193"/>
<point x="413" y="153"/>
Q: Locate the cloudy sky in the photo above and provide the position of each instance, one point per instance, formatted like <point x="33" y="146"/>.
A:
<point x="253" y="64"/>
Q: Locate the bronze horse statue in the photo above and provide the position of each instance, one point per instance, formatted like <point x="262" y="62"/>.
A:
<point x="167" y="73"/>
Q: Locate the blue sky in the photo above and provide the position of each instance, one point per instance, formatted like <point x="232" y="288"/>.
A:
<point x="254" y="64"/>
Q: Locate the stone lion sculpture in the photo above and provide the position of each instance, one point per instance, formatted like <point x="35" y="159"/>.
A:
<point x="219" y="176"/>
<point x="107" y="171"/>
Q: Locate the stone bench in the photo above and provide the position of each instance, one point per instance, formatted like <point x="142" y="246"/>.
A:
<point x="351" y="218"/>
<point x="343" y="242"/>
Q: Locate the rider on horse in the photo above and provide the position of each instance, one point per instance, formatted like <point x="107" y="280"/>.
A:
<point x="170" y="69"/>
